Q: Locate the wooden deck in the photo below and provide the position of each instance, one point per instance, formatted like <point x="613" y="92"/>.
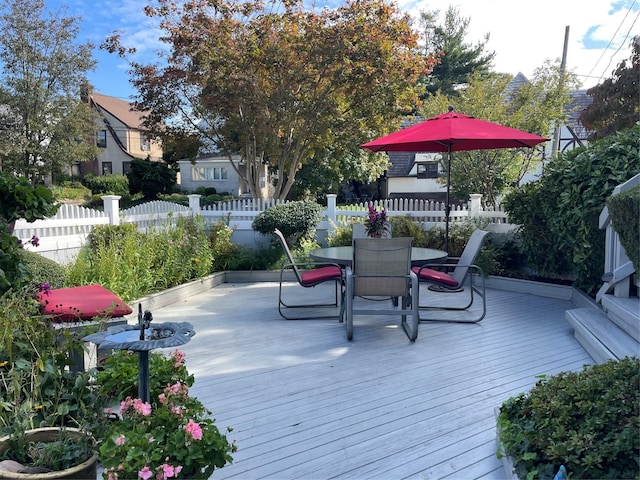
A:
<point x="307" y="404"/>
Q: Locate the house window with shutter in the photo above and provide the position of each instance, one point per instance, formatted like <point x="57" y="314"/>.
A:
<point x="427" y="170"/>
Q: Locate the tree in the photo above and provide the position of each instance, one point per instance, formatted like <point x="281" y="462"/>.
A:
<point x="535" y="108"/>
<point x="150" y="178"/>
<point x="616" y="101"/>
<point x="43" y="120"/>
<point x="277" y="83"/>
<point x="458" y="59"/>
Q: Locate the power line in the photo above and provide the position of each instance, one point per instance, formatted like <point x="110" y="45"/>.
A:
<point x="621" y="45"/>
<point x="611" y="41"/>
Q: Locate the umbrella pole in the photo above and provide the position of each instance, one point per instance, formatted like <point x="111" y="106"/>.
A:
<point x="447" y="207"/>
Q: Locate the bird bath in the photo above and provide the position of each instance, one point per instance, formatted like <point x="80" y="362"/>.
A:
<point x="141" y="338"/>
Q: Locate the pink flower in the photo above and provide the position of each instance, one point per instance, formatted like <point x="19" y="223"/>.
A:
<point x="178" y="358"/>
<point x="163" y="398"/>
<point x="143" y="408"/>
<point x="194" y="429"/>
<point x="120" y="440"/>
<point x="145" y="473"/>
<point x="168" y="470"/>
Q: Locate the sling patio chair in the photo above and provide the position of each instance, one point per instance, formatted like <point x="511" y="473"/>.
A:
<point x="309" y="274"/>
<point x="381" y="270"/>
<point x="455" y="291"/>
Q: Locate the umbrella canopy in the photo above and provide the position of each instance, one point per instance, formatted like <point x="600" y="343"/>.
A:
<point x="453" y="132"/>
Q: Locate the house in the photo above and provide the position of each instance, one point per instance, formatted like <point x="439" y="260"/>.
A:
<point x="216" y="171"/>
<point x="121" y="136"/>
<point x="414" y="175"/>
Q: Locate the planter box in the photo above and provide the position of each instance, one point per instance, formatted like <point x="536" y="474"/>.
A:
<point x="507" y="462"/>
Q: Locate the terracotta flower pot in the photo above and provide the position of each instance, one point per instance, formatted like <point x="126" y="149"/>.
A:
<point x="83" y="471"/>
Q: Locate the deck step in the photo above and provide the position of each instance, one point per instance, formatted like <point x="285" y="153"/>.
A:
<point x="602" y="338"/>
<point x="624" y="312"/>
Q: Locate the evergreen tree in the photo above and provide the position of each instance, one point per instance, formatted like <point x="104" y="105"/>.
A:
<point x="458" y="59"/>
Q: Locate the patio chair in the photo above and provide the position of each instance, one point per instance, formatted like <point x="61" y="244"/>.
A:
<point x="309" y="274"/>
<point x="382" y="270"/>
<point x="463" y="272"/>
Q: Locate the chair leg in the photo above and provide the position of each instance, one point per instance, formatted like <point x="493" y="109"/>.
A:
<point x="338" y="302"/>
<point x="349" y="307"/>
<point x="473" y="288"/>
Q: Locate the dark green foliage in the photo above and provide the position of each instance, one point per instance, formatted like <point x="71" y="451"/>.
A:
<point x="118" y="374"/>
<point x="625" y="219"/>
<point x="296" y="220"/>
<point x="43" y="270"/>
<point x="587" y="421"/>
<point x="150" y="178"/>
<point x="558" y="215"/>
<point x="18" y="199"/>
<point x="107" y="184"/>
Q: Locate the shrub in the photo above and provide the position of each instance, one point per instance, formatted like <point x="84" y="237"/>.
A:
<point x="587" y="421"/>
<point x="150" y="178"/>
<point x="625" y="219"/>
<point x="296" y="220"/>
<point x="558" y="215"/>
<point x="43" y="270"/>
<point x="224" y="250"/>
<point x="110" y="184"/>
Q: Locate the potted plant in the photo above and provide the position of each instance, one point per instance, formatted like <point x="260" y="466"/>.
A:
<point x="587" y="421"/>
<point x="172" y="436"/>
<point x="376" y="223"/>
<point x="38" y="389"/>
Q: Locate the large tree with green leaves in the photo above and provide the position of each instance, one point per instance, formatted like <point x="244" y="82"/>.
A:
<point x="43" y="121"/>
<point x="277" y="82"/>
<point x="534" y="107"/>
<point x="458" y="58"/>
<point x="616" y="101"/>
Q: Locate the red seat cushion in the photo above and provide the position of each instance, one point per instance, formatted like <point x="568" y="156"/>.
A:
<point x="429" y="275"/>
<point x="317" y="275"/>
<point x="82" y="303"/>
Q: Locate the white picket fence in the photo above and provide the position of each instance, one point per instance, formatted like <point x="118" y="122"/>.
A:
<point x="62" y="236"/>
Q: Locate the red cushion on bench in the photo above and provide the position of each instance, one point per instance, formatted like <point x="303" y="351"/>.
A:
<point x="430" y="275"/>
<point x="82" y="303"/>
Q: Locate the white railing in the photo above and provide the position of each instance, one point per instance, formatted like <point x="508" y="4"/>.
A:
<point x="62" y="236"/>
<point x="618" y="269"/>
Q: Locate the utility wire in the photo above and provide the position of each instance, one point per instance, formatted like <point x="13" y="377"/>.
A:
<point x="611" y="41"/>
<point x="624" y="42"/>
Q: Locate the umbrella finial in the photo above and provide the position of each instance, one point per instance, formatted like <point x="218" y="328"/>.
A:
<point x="450" y="108"/>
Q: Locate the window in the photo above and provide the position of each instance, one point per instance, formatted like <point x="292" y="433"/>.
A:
<point x="428" y="170"/>
<point x="107" y="168"/>
<point x="204" y="174"/>
<point x="126" y="167"/>
<point x="145" y="144"/>
<point x="101" y="140"/>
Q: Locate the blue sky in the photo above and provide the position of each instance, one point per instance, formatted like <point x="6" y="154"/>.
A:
<point x="523" y="34"/>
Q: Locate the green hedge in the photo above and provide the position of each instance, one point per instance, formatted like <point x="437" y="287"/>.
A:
<point x="625" y="219"/>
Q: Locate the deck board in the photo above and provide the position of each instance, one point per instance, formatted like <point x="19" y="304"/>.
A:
<point x="307" y="404"/>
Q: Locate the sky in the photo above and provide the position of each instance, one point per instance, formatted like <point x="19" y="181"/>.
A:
<point x="523" y="34"/>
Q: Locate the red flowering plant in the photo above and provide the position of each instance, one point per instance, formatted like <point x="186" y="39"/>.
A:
<point x="376" y="224"/>
<point x="173" y="436"/>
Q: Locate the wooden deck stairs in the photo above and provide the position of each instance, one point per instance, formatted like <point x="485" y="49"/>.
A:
<point x="610" y="332"/>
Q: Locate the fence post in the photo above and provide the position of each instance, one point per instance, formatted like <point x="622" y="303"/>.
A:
<point x="194" y="203"/>
<point x="112" y="208"/>
<point x="331" y="210"/>
<point x="475" y="205"/>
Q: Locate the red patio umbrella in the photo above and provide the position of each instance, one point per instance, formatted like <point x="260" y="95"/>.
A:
<point x="453" y="132"/>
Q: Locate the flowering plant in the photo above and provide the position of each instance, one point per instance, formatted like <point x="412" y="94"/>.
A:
<point x="171" y="437"/>
<point x="376" y="224"/>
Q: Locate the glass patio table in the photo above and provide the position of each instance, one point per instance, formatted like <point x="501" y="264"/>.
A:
<point x="344" y="255"/>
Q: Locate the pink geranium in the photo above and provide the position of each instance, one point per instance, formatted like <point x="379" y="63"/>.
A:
<point x="194" y="429"/>
<point x="145" y="473"/>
